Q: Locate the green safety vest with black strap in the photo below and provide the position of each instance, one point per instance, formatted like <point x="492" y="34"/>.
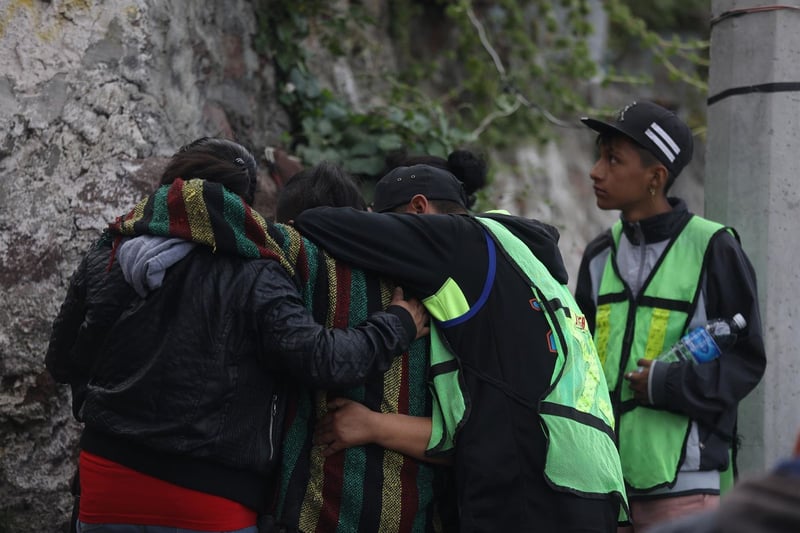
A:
<point x="651" y="441"/>
<point x="581" y="454"/>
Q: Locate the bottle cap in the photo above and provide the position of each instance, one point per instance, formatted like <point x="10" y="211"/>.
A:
<point x="739" y="320"/>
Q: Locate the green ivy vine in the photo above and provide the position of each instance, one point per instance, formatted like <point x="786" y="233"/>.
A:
<point x="323" y="126"/>
<point x="504" y="71"/>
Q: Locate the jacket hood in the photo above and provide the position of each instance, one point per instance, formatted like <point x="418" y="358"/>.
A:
<point x="541" y="239"/>
<point x="144" y="260"/>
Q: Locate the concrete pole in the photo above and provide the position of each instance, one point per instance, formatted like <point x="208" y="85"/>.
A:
<point x="753" y="166"/>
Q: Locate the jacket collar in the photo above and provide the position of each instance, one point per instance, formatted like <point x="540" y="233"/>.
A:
<point x="659" y="227"/>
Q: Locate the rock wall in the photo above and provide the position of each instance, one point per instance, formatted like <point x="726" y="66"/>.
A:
<point x="94" y="96"/>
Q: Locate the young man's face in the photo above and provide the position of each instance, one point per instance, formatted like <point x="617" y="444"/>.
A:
<point x="621" y="180"/>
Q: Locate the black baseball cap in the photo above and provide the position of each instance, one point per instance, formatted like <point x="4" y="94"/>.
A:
<point x="656" y="129"/>
<point x="401" y="184"/>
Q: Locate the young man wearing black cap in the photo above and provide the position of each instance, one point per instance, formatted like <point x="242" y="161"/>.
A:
<point x="657" y="273"/>
<point x="520" y="402"/>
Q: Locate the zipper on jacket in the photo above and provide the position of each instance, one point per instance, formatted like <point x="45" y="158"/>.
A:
<point x="273" y="414"/>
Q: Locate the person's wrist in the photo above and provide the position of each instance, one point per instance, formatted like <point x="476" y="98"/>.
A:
<point x="406" y="319"/>
<point x="379" y="428"/>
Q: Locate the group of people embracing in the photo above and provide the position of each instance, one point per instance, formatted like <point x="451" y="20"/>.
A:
<point x="407" y="366"/>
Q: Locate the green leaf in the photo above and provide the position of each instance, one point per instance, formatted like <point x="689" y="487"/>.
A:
<point x="389" y="141"/>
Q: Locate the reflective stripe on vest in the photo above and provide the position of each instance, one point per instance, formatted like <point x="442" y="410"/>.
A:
<point x="651" y="441"/>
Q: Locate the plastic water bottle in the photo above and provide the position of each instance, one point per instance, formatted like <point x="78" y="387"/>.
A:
<point x="706" y="343"/>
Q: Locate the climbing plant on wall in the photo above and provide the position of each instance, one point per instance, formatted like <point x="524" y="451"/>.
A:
<point x="323" y="126"/>
<point x="483" y="73"/>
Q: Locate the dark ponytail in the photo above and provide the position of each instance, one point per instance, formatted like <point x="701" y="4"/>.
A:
<point x="217" y="160"/>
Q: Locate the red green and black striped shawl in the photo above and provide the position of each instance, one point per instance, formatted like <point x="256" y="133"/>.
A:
<point x="207" y="213"/>
<point x="365" y="488"/>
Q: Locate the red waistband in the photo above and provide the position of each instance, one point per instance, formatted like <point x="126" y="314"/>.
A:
<point x="113" y="493"/>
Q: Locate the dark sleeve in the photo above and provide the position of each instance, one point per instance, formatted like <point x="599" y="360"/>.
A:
<point x="66" y="327"/>
<point x="704" y="391"/>
<point x="414" y="250"/>
<point x="315" y="355"/>
<point x="584" y="291"/>
<point x="96" y="296"/>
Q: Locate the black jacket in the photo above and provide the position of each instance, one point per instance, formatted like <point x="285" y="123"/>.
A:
<point x="188" y="383"/>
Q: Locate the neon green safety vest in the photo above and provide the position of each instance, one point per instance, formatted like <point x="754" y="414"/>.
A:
<point x="651" y="441"/>
<point x="581" y="453"/>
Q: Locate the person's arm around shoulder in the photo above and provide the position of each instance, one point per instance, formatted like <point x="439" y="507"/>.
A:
<point x="349" y="423"/>
<point x="324" y="357"/>
<point x="401" y="246"/>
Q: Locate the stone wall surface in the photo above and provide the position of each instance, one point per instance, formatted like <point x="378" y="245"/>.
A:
<point x="94" y="96"/>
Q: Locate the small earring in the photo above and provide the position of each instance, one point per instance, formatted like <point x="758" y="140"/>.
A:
<point x="652" y="191"/>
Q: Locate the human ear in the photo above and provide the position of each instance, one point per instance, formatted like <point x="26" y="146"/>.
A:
<point x="418" y="204"/>
<point x="658" y="180"/>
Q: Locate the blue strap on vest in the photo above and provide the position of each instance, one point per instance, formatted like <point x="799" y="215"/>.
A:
<point x="487" y="287"/>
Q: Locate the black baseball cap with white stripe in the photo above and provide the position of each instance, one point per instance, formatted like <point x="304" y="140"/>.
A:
<point x="656" y="129"/>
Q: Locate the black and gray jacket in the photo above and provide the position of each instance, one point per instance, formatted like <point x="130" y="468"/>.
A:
<point x="708" y="394"/>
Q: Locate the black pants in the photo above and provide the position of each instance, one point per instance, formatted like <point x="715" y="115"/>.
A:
<point x="584" y="515"/>
<point x="555" y="512"/>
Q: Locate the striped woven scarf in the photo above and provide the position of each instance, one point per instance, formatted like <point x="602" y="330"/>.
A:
<point x="207" y="213"/>
<point x="364" y="488"/>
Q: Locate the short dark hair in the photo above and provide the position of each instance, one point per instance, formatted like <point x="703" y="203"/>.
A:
<point x="645" y="156"/>
<point x="448" y="207"/>
<point x="325" y="184"/>
<point x="218" y="160"/>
